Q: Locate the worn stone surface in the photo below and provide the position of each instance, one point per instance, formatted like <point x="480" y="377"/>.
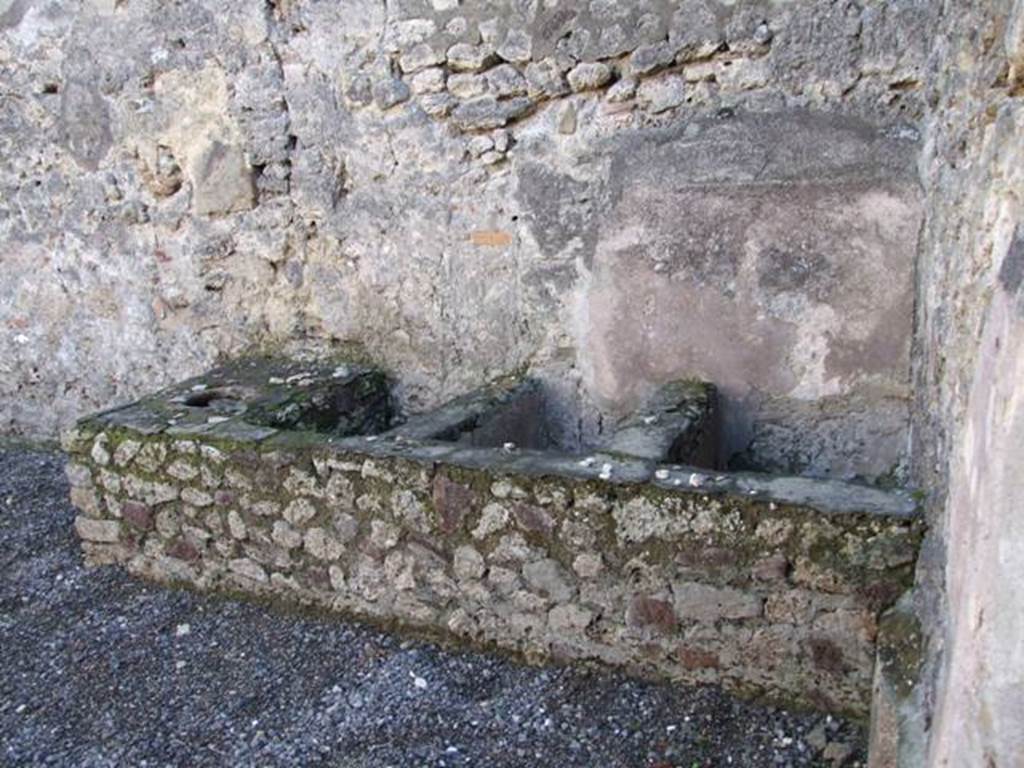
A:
<point x="588" y="75"/>
<point x="192" y="181"/>
<point x="678" y="423"/>
<point x="101" y="668"/>
<point x="968" y="420"/>
<point x="547" y="554"/>
<point x="747" y="292"/>
<point x="897" y="719"/>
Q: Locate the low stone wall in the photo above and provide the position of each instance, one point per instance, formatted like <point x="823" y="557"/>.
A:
<point x="767" y="586"/>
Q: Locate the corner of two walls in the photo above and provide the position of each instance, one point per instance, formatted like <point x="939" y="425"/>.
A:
<point x="969" y="382"/>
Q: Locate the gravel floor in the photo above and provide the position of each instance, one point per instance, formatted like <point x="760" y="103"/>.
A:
<point x="98" y="669"/>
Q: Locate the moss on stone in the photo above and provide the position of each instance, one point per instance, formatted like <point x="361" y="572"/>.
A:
<point x="398" y="532"/>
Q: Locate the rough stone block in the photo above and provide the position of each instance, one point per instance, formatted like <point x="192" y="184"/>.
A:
<point x="322" y="545"/>
<point x="185" y="550"/>
<point x="430" y="80"/>
<point x="694" y="601"/>
<point x="567" y="619"/>
<point x="85" y="498"/>
<point x="463" y="57"/>
<point x="505" y="80"/>
<point x="285" y="536"/>
<point x="588" y="75"/>
<point x="249" y="569"/>
<point x="420" y="57"/>
<point x="99" y="531"/>
<point x="468" y="563"/>
<point x="648" y="58"/>
<point x="79" y="475"/>
<point x="647" y="612"/>
<point x="390" y="92"/>
<point x="222" y="180"/>
<point x="662" y="93"/>
<point x="138" y="514"/>
<point x="486" y="112"/>
<point x="549" y="578"/>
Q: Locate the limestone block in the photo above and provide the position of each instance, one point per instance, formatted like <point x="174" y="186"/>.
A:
<point x="545" y="78"/>
<point x="516" y="47"/>
<point x="504" y="580"/>
<point x="437" y="104"/>
<point x="151" y="456"/>
<point x="99" y="453"/>
<point x="420" y="57"/>
<point x="249" y="569"/>
<point x="493" y="518"/>
<point x="505" y="80"/>
<point x="486" y="112"/>
<point x="463" y="57"/>
<point x="299" y="511"/>
<point x="431" y="80"/>
<point x="390" y="92"/>
<point x="86" y="499"/>
<point x="100" y="531"/>
<point x="512" y="548"/>
<point x="126" y="451"/>
<point x="588" y="565"/>
<point x="563" y="619"/>
<point x="236" y="525"/>
<point x="384" y="535"/>
<point x="548" y="577"/>
<point x="286" y="536"/>
<point x="468" y="563"/>
<point x="182" y="470"/>
<point x="694" y="601"/>
<point x="195" y="497"/>
<point x="588" y="75"/>
<point x="222" y="180"/>
<point x="322" y="545"/>
<point x="345" y="526"/>
<point x="648" y="58"/>
<point x="662" y="93"/>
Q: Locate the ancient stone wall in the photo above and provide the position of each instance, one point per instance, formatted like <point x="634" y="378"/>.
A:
<point x="968" y="422"/>
<point x="593" y="190"/>
<point x="612" y="194"/>
<point x="770" y="586"/>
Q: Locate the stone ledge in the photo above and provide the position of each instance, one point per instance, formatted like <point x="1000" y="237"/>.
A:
<point x="769" y="586"/>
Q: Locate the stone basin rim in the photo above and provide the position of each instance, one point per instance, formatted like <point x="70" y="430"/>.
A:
<point x="823" y="495"/>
